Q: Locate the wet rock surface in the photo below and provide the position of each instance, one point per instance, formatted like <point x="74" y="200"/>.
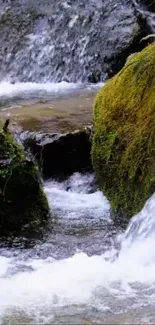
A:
<point x="148" y="4"/>
<point x="59" y="155"/>
<point x="71" y="40"/>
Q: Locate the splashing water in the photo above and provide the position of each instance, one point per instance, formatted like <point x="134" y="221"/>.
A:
<point x="21" y="90"/>
<point x="81" y="285"/>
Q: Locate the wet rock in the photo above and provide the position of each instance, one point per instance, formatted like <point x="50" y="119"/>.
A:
<point x="59" y="155"/>
<point x="43" y="41"/>
<point x="149" y="4"/>
<point x="23" y="204"/>
<point x="135" y="44"/>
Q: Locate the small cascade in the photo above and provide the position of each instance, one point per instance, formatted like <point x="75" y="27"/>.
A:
<point x="68" y="277"/>
<point x="72" y="41"/>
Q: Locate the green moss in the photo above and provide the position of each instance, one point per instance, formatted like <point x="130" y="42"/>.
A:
<point x="23" y="203"/>
<point x="123" y="150"/>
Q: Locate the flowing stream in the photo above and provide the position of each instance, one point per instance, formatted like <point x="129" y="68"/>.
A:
<point x="85" y="271"/>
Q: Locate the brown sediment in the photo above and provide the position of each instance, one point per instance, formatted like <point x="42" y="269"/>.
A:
<point x="57" y="115"/>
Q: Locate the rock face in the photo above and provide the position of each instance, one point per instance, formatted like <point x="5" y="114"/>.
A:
<point x="23" y="204"/>
<point x="59" y="155"/>
<point x="149" y="4"/>
<point x="123" y="152"/>
<point x="50" y="40"/>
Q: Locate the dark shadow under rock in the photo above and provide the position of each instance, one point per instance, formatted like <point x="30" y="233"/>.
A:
<point x="59" y="155"/>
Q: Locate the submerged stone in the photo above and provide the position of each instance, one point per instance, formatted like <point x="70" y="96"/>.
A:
<point x="23" y="204"/>
<point x="123" y="149"/>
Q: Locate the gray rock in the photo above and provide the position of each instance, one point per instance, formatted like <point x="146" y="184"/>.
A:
<point x="76" y="40"/>
<point x="59" y="155"/>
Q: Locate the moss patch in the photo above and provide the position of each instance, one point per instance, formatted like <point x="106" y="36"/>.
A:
<point x="123" y="150"/>
<point x="23" y="203"/>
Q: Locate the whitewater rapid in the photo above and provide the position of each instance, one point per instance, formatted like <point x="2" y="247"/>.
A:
<point x="40" y="91"/>
<point x="39" y="286"/>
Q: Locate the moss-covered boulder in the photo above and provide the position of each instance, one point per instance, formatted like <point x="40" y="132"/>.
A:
<point x="123" y="149"/>
<point x="23" y="204"/>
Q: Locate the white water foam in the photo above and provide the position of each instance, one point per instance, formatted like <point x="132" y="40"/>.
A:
<point x="82" y="279"/>
<point x="30" y="90"/>
<point x="76" y="200"/>
<point x="20" y="90"/>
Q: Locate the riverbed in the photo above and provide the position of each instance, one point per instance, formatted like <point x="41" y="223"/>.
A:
<point x="50" y="108"/>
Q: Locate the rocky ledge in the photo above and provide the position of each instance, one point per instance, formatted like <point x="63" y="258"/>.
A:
<point x="59" y="155"/>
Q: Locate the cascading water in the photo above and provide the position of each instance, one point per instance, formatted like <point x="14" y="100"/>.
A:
<point x="50" y="48"/>
<point x="54" y="41"/>
<point x="85" y="271"/>
<point x="79" y="275"/>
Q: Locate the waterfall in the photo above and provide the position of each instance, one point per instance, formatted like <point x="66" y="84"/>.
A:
<point x="72" y="41"/>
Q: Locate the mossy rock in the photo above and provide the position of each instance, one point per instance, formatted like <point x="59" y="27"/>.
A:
<point x="23" y="204"/>
<point x="123" y="149"/>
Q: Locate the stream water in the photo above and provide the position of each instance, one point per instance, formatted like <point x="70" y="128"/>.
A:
<point x="85" y="271"/>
